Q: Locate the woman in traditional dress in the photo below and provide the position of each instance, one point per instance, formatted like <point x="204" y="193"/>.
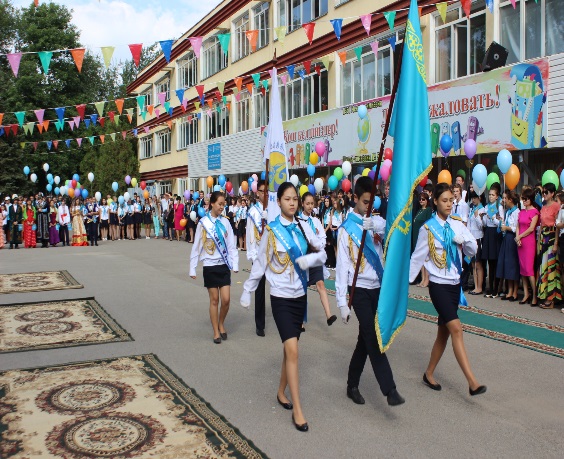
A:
<point x="423" y="214"/>
<point x="53" y="225"/>
<point x="178" y="215"/>
<point x="29" y="225"/>
<point x="508" y="260"/>
<point x="214" y="245"/>
<point x="79" y="237"/>
<point x="526" y="240"/>
<point x="283" y="257"/>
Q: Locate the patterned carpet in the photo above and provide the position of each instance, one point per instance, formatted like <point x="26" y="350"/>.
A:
<point x="129" y="407"/>
<point x="36" y="282"/>
<point x="52" y="324"/>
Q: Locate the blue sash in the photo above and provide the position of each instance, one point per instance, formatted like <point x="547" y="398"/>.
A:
<point x="353" y="226"/>
<point x="285" y="238"/>
<point x="450" y="248"/>
<point x="309" y="221"/>
<point x="507" y="214"/>
<point x="216" y="233"/>
<point x="257" y="222"/>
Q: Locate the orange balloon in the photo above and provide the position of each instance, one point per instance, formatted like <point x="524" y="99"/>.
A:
<point x="512" y="177"/>
<point x="146" y="194"/>
<point x="209" y="181"/>
<point x="445" y="177"/>
<point x="71" y="192"/>
<point x="244" y="186"/>
<point x="183" y="222"/>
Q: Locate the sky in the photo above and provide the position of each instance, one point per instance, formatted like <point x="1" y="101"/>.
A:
<point x="122" y="22"/>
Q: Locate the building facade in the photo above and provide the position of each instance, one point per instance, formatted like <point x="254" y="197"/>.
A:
<point x="206" y="115"/>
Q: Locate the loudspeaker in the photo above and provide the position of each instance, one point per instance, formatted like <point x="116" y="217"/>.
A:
<point x="495" y="57"/>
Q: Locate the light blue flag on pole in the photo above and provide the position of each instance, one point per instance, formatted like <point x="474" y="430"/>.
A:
<point x="412" y="161"/>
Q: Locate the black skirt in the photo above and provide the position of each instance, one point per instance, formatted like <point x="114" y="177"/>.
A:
<point x="289" y="315"/>
<point x="508" y="262"/>
<point x="113" y="219"/>
<point x="478" y="256"/>
<point x="217" y="276"/>
<point x="491" y="244"/>
<point x="315" y="275"/>
<point x="147" y="218"/>
<point x="104" y="224"/>
<point x="242" y="228"/>
<point x="137" y="218"/>
<point x="445" y="298"/>
<point x="129" y="219"/>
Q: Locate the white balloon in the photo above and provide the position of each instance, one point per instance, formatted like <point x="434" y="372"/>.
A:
<point x="295" y="180"/>
<point x="126" y="196"/>
<point x="57" y="179"/>
<point x="45" y="167"/>
<point x="90" y="177"/>
<point x="193" y="215"/>
<point x="479" y="191"/>
<point x="318" y="184"/>
<point x="33" y="178"/>
<point x="98" y="196"/>
<point x="347" y="168"/>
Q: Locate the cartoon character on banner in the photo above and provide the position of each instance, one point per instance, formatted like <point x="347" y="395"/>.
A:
<point x="299" y="152"/>
<point x="527" y="107"/>
<point x="473" y="130"/>
<point x="363" y="131"/>
<point x="307" y="153"/>
<point x="291" y="157"/>
<point x="435" y="138"/>
<point x="328" y="150"/>
<point x="456" y="137"/>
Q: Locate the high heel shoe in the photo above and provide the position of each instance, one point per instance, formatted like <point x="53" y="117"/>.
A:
<point x="549" y="305"/>
<point x="286" y="406"/>
<point x="301" y="427"/>
<point x="525" y="300"/>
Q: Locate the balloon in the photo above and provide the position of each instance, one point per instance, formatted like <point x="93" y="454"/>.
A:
<point x="57" y="191"/>
<point x="90" y="177"/>
<point x="216" y="188"/>
<point x="76" y="177"/>
<point x="446" y="143"/>
<point x="318" y="184"/>
<point x="115" y="186"/>
<point x="250" y="180"/>
<point x="254" y="187"/>
<point x="479" y="175"/>
<point x="255" y="177"/>
<point x="372" y="175"/>
<point x="311" y="170"/>
<point x="229" y="187"/>
<point x="346" y="185"/>
<point x="445" y="177"/>
<point x="550" y="177"/>
<point x="311" y="188"/>
<point x="221" y="180"/>
<point x="84" y="194"/>
<point x="444" y="153"/>
<point x="74" y="183"/>
<point x="126" y="196"/>
<point x="333" y="182"/>
<point x="365" y="172"/>
<point x="63" y="190"/>
<point x="294" y="179"/>
<point x="49" y="187"/>
<point x="338" y="172"/>
<point x="121" y="199"/>
<point x="346" y="167"/>
<point x="67" y="182"/>
<point x="186" y="194"/>
<point x="201" y="212"/>
<point x="479" y="190"/>
<point x="462" y="173"/>
<point x="183" y="222"/>
<point x="110" y="200"/>
<point x="362" y="111"/>
<point x="26" y="170"/>
<point x="562" y="178"/>
<point x="492" y="178"/>
<point x="384" y="172"/>
<point x="504" y="160"/>
<point x="244" y="186"/>
<point x="313" y="158"/>
<point x="146" y="194"/>
<point x="33" y="178"/>
<point x="263" y="175"/>
<point x="70" y="192"/>
<point x="424" y="181"/>
<point x="470" y="148"/>
<point x="209" y="181"/>
<point x="98" y="196"/>
<point x="303" y="189"/>
<point x="143" y="184"/>
<point x="193" y="215"/>
<point x="469" y="163"/>
<point x="387" y="163"/>
<point x="45" y="167"/>
<point x="134" y="182"/>
<point x="377" y="202"/>
<point x="512" y="177"/>
<point x="320" y="148"/>
<point x="49" y="178"/>
<point x="196" y="195"/>
<point x="79" y="185"/>
<point x="127" y="179"/>
<point x="57" y="179"/>
<point x="388" y="154"/>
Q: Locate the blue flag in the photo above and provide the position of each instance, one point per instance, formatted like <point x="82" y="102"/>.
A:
<point x="412" y="162"/>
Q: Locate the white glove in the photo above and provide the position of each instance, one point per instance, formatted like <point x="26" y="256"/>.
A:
<point x="345" y="314"/>
<point x="302" y="262"/>
<point x="265" y="215"/>
<point x="458" y="239"/>
<point x="246" y="299"/>
<point x="367" y="223"/>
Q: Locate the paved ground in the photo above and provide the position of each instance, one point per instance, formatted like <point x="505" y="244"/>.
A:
<point x="145" y="286"/>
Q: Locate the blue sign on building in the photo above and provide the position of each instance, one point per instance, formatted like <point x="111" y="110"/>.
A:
<point x="214" y="156"/>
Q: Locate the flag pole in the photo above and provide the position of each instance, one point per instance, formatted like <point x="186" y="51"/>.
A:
<point x="379" y="162"/>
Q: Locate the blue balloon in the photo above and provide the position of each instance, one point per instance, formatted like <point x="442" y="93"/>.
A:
<point x="311" y="188"/>
<point x="446" y="143"/>
<point x="221" y="180"/>
<point x="504" y="161"/>
<point x="480" y="175"/>
<point x="333" y="182"/>
<point x="121" y="199"/>
<point x="76" y="177"/>
<point x="362" y="111"/>
<point x="263" y="175"/>
<point x="26" y="170"/>
<point x="216" y="188"/>
<point x="84" y="193"/>
<point x="49" y="187"/>
<point x="311" y="170"/>
<point x="115" y="186"/>
<point x="201" y="212"/>
<point x="562" y="178"/>
<point x="250" y="180"/>
<point x="50" y="178"/>
<point x="196" y="195"/>
<point x="57" y="191"/>
<point x="377" y="202"/>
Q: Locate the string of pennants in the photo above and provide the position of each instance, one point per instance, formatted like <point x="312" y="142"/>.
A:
<point x="225" y="38"/>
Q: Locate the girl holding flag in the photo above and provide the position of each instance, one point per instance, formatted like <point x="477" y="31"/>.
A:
<point x="214" y="245"/>
<point x="439" y="248"/>
<point x="285" y="253"/>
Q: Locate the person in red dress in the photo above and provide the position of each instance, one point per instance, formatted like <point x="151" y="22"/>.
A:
<point x="29" y="223"/>
<point x="527" y="245"/>
<point x="178" y="215"/>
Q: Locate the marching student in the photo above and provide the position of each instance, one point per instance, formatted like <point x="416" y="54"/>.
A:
<point x="366" y="293"/>
<point x="316" y="276"/>
<point x="439" y="247"/>
<point x="254" y="231"/>
<point x="283" y="257"/>
<point x="214" y="245"/>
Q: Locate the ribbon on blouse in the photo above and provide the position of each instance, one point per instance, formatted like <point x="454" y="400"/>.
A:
<point x="353" y="226"/>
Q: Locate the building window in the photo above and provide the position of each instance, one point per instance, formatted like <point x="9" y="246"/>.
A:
<point x="524" y="32"/>
<point x="216" y="125"/>
<point x="294" y="13"/>
<point x="303" y="97"/>
<point x="243" y="112"/>
<point x="148" y="98"/>
<point x="213" y="57"/>
<point x="241" y="45"/>
<point x="163" y="142"/>
<point x="164" y="188"/>
<point x="187" y="132"/>
<point x="146" y="147"/>
<point x="182" y="185"/>
<point x="163" y="86"/>
<point x="188" y="71"/>
<point x="460" y="42"/>
<point x="262" y="106"/>
<point x="261" y="23"/>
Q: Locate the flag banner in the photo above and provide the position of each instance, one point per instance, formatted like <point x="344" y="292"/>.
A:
<point x="166" y="47"/>
<point x="410" y="128"/>
<point x="78" y="56"/>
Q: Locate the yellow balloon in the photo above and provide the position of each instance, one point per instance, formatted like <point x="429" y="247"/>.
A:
<point x="445" y="177"/>
<point x="303" y="189"/>
<point x="314" y="158"/>
<point x="146" y="194"/>
<point x="365" y="172"/>
<point x="134" y="182"/>
<point x="110" y="200"/>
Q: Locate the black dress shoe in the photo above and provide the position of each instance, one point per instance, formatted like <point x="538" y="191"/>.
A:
<point x="429" y="384"/>
<point x="511" y="299"/>
<point x="286" y="406"/>
<point x="301" y="427"/>
<point x="303" y="329"/>
<point x="260" y="332"/>
<point x="394" y="398"/>
<point x="354" y="394"/>
<point x="479" y="390"/>
<point x="223" y="336"/>
<point x="331" y="319"/>
<point x="217" y="340"/>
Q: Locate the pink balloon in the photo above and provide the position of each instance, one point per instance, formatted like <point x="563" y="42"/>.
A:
<point x="254" y="186"/>
<point x="384" y="172"/>
<point x="387" y="163"/>
<point x="320" y="148"/>
<point x="255" y="178"/>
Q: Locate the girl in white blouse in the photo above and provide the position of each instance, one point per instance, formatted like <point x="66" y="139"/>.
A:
<point x="476" y="227"/>
<point x="508" y="261"/>
<point x="491" y="244"/>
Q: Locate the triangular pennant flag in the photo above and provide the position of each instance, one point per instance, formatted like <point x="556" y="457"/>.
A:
<point x="14" y="60"/>
<point x="169" y="124"/>
<point x="238" y="82"/>
<point x="71" y="124"/>
<point x="263" y="91"/>
<point x="358" y="52"/>
<point x="229" y="106"/>
<point x="2" y="131"/>
<point x="119" y="105"/>
<point x="307" y="67"/>
<point x="60" y="124"/>
<point x="150" y="109"/>
<point x="490" y="5"/>
<point x="86" y="122"/>
<point x="22" y="145"/>
<point x="180" y="95"/>
<point x="39" y="114"/>
<point x="146" y="129"/>
<point x="280" y="33"/>
<point x="76" y="120"/>
<point x="221" y="87"/>
<point x="392" y="41"/>
<point x="256" y="78"/>
<point x="100" y="108"/>
<point x="166" y="46"/>
<point x="290" y="69"/>
<point x="49" y="145"/>
<point x="374" y="46"/>
<point x="200" y="89"/>
<point x="68" y="141"/>
<point x="170" y="110"/>
<point x="209" y="113"/>
<point x="366" y="20"/>
<point x="166" y="106"/>
<point x="129" y="112"/>
<point x="79" y="141"/>
<point x="343" y="57"/>
<point x="197" y="105"/>
<point x="252" y="36"/>
<point x="20" y="117"/>
<point x="217" y="95"/>
<point x="141" y="101"/>
<point x="224" y="39"/>
<point x="224" y="98"/>
<point x="249" y="87"/>
<point x="337" y="27"/>
<point x="56" y="144"/>
<point x="80" y="109"/>
<point x="301" y="73"/>
<point x="442" y="9"/>
<point x="196" y="43"/>
<point x="143" y="115"/>
<point x="210" y="103"/>
<point x="94" y="118"/>
<point x="91" y="138"/>
<point x="102" y="138"/>
<point x="162" y="97"/>
<point x="391" y="18"/>
<point x="157" y="112"/>
<point x="1" y="118"/>
<point x="124" y="134"/>
<point x="466" y="6"/>
<point x="28" y="128"/>
<point x="116" y="120"/>
<point x="78" y="56"/>
<point x="35" y="146"/>
<point x="39" y="128"/>
<point x="102" y="120"/>
<point x="107" y="53"/>
<point x="113" y="136"/>
<point x="420" y="11"/>
<point x="318" y="69"/>
<point x="514" y="4"/>
<point x="60" y="113"/>
<point x="184" y="105"/>
<point x="265" y="84"/>
<point x="45" y="58"/>
<point x="14" y="129"/>
<point x="238" y="96"/>
<point x="309" y="28"/>
<point x="46" y="125"/>
<point x="112" y="116"/>
<point x="135" y="132"/>
<point x="325" y="60"/>
<point x="136" y="53"/>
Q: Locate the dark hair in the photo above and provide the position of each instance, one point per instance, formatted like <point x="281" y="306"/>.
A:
<point x="549" y="187"/>
<point x="457" y="185"/>
<point x="363" y="185"/>
<point x="177" y="198"/>
<point x="426" y="197"/>
<point x="473" y="195"/>
<point x="461" y="176"/>
<point x="282" y="189"/>
<point x="560" y="195"/>
<point x="497" y="187"/>
<point x="428" y="187"/>
<point x="440" y="189"/>
<point x="306" y="195"/>
<point x="528" y="194"/>
<point x="215" y="196"/>
<point x="261" y="183"/>
<point x="511" y="195"/>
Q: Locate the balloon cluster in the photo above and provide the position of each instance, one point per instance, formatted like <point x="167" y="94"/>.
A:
<point x="446" y="143"/>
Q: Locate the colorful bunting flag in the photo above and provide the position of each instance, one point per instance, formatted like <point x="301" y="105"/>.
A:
<point x="252" y="37"/>
<point x="358" y="52"/>
<point x="290" y="68"/>
<point x="124" y="134"/>
<point x="76" y="120"/>
<point x="249" y="88"/>
<point x="280" y="33"/>
<point x="366" y="20"/>
<point x="514" y="4"/>
<point x="49" y="144"/>
<point x="102" y="120"/>
<point x="28" y="128"/>
<point x="391" y="18"/>
<point x="325" y="60"/>
<point x="162" y="97"/>
<point x="343" y="57"/>
<point x="466" y="6"/>
<point x="87" y="123"/>
<point x="374" y="46"/>
<point x="157" y="113"/>
<point x="1" y="117"/>
<point x="221" y="87"/>
<point x="91" y="138"/>
<point x="107" y="53"/>
<point x="71" y="124"/>
<point x="490" y="5"/>
<point x="256" y="78"/>
<point x="136" y="53"/>
<point x="20" y="117"/>
<point x="146" y="129"/>
<point x="166" y="47"/>
<point x="197" y="105"/>
<point x="56" y="144"/>
<point x="307" y="67"/>
<point x="135" y="132"/>
<point x="39" y="114"/>
<point x="301" y="73"/>
<point x="45" y="58"/>
<point x="166" y="106"/>
<point x="337" y="27"/>
<point x="14" y="60"/>
<point x="60" y="113"/>
<point x="309" y="29"/>
<point x="129" y="112"/>
<point x="169" y="124"/>
<point x="113" y="136"/>
<point x="150" y="109"/>
<point x="94" y="118"/>
<point x="78" y="56"/>
<point x="196" y="43"/>
<point x="141" y="101"/>
<point x="68" y="141"/>
<point x="200" y="89"/>
<point x="100" y="107"/>
<point x="392" y="41"/>
<point x="265" y="84"/>
<point x="80" y="109"/>
<point x="318" y="69"/>
<point x="180" y="95"/>
<point x="60" y="125"/>
<point x="35" y="146"/>
<point x="79" y="141"/>
<point x="224" y="39"/>
<point x="442" y="9"/>
<point x="238" y="82"/>
<point x="119" y="105"/>
<point x="102" y="138"/>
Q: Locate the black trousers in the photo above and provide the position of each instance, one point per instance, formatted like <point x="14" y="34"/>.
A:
<point x="260" y="304"/>
<point x="466" y="270"/>
<point x="64" y="234"/>
<point x="92" y="229"/>
<point x="365" y="303"/>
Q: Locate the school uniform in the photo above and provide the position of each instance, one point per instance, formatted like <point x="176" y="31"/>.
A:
<point x="366" y="296"/>
<point x="508" y="263"/>
<point x="113" y="214"/>
<point x="105" y="217"/>
<point x="316" y="272"/>
<point x="491" y="243"/>
<point x="92" y="223"/>
<point x="476" y="227"/>
<point x="254" y="235"/>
